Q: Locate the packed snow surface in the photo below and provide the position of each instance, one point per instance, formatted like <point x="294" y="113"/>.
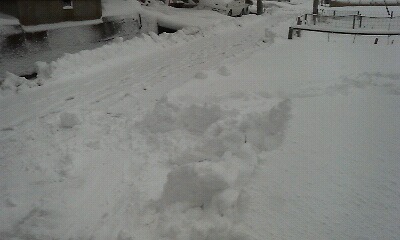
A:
<point x="230" y="131"/>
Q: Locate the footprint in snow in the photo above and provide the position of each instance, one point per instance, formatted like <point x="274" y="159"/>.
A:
<point x="200" y="75"/>
<point x="224" y="71"/>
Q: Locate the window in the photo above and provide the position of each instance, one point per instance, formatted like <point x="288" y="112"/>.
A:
<point x="67" y="4"/>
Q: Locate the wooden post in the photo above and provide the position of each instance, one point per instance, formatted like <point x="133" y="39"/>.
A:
<point x="259" y="7"/>
<point x="354" y="21"/>
<point x="315" y="10"/>
<point x="290" y="35"/>
<point x="315" y="7"/>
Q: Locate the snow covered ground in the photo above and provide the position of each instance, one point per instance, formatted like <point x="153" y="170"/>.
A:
<point x="225" y="132"/>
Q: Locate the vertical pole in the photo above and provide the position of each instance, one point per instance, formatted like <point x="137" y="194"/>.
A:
<point x="315" y="10"/>
<point x="360" y="21"/>
<point x="315" y="7"/>
<point x="259" y="7"/>
<point x="290" y="35"/>
<point x="354" y="21"/>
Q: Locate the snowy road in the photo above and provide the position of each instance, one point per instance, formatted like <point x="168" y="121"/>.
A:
<point x="218" y="133"/>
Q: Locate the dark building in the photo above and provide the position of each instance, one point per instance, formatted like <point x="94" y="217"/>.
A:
<point x="34" y="12"/>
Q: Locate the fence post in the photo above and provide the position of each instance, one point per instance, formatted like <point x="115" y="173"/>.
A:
<point x="290" y="35"/>
<point x="360" y="21"/>
<point x="140" y="21"/>
<point x="354" y="21"/>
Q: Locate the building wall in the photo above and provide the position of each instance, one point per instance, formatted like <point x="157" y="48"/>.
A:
<point x="9" y="7"/>
<point x="51" y="11"/>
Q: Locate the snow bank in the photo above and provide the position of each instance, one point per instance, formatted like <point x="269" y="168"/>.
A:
<point x="14" y="84"/>
<point x="215" y="155"/>
<point x="118" y="51"/>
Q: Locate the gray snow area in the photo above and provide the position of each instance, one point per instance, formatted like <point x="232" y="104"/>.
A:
<point x="228" y="131"/>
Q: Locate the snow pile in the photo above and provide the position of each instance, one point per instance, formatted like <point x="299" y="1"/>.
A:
<point x="119" y="51"/>
<point x="15" y="84"/>
<point x="204" y="196"/>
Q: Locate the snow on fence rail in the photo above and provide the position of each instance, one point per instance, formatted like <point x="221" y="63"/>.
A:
<point x="353" y="25"/>
<point x="342" y="3"/>
<point x="330" y="12"/>
<point x="350" y="22"/>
